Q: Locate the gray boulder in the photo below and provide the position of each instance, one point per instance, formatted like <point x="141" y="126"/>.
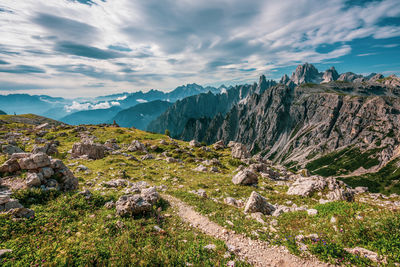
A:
<point x="257" y="203"/>
<point x="89" y="149"/>
<point x="239" y="151"/>
<point x="132" y="205"/>
<point x="245" y="177"/>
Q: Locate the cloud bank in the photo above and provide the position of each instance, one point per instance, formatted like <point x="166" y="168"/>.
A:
<point x="69" y="45"/>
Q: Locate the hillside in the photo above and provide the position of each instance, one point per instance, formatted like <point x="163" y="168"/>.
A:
<point x="141" y="115"/>
<point x="211" y="205"/>
<point x="96" y="116"/>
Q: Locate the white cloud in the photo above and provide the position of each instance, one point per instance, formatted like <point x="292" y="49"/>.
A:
<point x="76" y="106"/>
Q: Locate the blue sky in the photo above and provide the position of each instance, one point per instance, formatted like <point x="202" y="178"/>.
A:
<point x="76" y="48"/>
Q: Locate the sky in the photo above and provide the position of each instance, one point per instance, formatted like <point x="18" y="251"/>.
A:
<point x="74" y="48"/>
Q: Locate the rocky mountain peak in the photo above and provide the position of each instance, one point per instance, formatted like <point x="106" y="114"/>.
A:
<point x="349" y="77"/>
<point x="330" y="75"/>
<point x="306" y="73"/>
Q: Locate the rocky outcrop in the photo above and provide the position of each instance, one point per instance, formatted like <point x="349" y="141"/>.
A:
<point x="245" y="177"/>
<point x="42" y="171"/>
<point x="88" y="149"/>
<point x="306" y="73"/>
<point x="239" y="151"/>
<point x="129" y="205"/>
<point x="50" y="148"/>
<point x="257" y="203"/>
<point x="349" y="77"/>
<point x="137" y="146"/>
<point x="337" y="190"/>
<point x="14" y="208"/>
<point x="10" y="149"/>
<point x="330" y="75"/>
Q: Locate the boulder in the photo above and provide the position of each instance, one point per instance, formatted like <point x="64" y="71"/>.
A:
<point x="245" y="177"/>
<point x="305" y="186"/>
<point x="219" y="145"/>
<point x="89" y="149"/>
<point x="10" y="149"/>
<point x="257" y="203"/>
<point x="239" y="151"/>
<point x="112" y="144"/>
<point x="34" y="161"/>
<point x="200" y="168"/>
<point x="49" y="148"/>
<point x="150" y="195"/>
<point x="132" y="205"/>
<point x="194" y="143"/>
<point x="137" y="146"/>
<point x="10" y="166"/>
<point x="34" y="179"/>
<point x="116" y="183"/>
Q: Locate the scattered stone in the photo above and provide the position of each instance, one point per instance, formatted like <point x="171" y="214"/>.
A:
<point x="150" y="195"/>
<point x="210" y="247"/>
<point x="137" y="146"/>
<point x="5" y="252"/>
<point x="200" y="168"/>
<point x="233" y="202"/>
<point x="257" y="203"/>
<point x="361" y="189"/>
<point x="194" y="143"/>
<point x="147" y="157"/>
<point x="89" y="149"/>
<point x="10" y="149"/>
<point x="239" y="151"/>
<point x="109" y="204"/>
<point x="245" y="177"/>
<point x="111" y="144"/>
<point x="132" y="205"/>
<point x="116" y="183"/>
<point x="312" y="212"/>
<point x="201" y="193"/>
<point x="373" y="256"/>
<point x="34" y="179"/>
<point x="219" y="145"/>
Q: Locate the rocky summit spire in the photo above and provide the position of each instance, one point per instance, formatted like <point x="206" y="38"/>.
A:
<point x="330" y="75"/>
<point x="306" y="73"/>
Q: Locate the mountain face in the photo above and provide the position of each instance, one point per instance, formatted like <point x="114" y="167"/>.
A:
<point x="96" y="116"/>
<point x="201" y="106"/>
<point x="24" y="103"/>
<point x="140" y="115"/>
<point x="296" y="125"/>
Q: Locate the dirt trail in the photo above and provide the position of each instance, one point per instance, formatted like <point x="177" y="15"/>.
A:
<point x="255" y="252"/>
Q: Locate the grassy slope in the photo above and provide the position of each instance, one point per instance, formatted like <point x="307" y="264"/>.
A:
<point x="69" y="230"/>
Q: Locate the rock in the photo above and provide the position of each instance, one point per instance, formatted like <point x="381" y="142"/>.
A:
<point x="194" y="143"/>
<point x="34" y="161"/>
<point x="330" y="75"/>
<point x="150" y="195"/>
<point x="47" y="172"/>
<point x="210" y="247"/>
<point x="341" y="194"/>
<point x="349" y="77"/>
<point x="34" y="179"/>
<point x="361" y="189"/>
<point x="112" y="144"/>
<point x="233" y="202"/>
<point x="304" y="173"/>
<point x="333" y="219"/>
<point x="279" y="210"/>
<point x="10" y="166"/>
<point x="86" y="193"/>
<point x="109" y="205"/>
<point x="43" y="126"/>
<point x="200" y="168"/>
<point x="312" y="212"/>
<point x="239" y="151"/>
<point x="214" y="169"/>
<point x="219" y="145"/>
<point x="201" y="193"/>
<point x="171" y="160"/>
<point x="22" y="213"/>
<point x="245" y="177"/>
<point x="50" y="148"/>
<point x="10" y="149"/>
<point x="147" y="157"/>
<point x="306" y="73"/>
<point x="373" y="256"/>
<point x="132" y="205"/>
<point x="89" y="149"/>
<point x="137" y="146"/>
<point x="257" y="203"/>
<point x="116" y="183"/>
<point x="306" y="186"/>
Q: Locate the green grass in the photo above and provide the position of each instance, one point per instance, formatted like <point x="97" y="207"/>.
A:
<point x="344" y="161"/>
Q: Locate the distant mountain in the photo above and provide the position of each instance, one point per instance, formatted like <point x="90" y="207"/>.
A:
<point x="95" y="116"/>
<point x="2" y="113"/>
<point x="141" y="115"/>
<point x="24" y="103"/>
<point x="205" y="105"/>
